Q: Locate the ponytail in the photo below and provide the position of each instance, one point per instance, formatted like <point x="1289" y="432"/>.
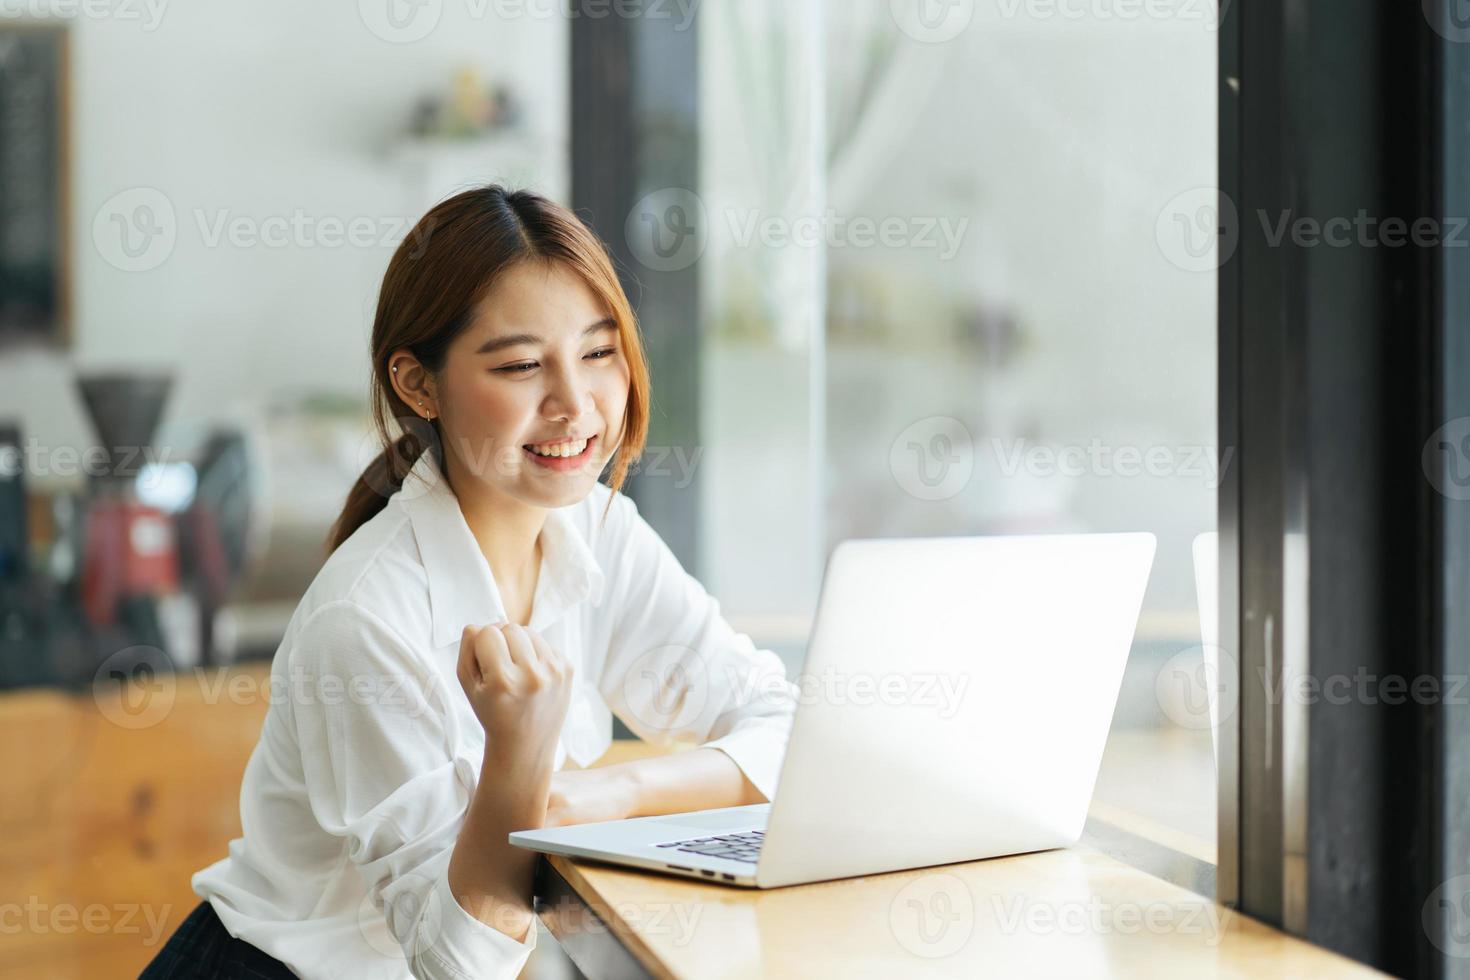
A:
<point x="383" y="478"/>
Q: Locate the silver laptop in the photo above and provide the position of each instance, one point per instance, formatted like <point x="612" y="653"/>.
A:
<point x="959" y="695"/>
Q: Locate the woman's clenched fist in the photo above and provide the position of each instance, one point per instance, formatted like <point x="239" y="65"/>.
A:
<point x="519" y="688"/>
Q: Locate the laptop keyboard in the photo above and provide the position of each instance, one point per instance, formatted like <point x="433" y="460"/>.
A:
<point x="745" y="846"/>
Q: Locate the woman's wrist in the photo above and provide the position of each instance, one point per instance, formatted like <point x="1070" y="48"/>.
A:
<point x="699" y="779"/>
<point x="630" y="785"/>
<point x="518" y="761"/>
<point x="515" y="786"/>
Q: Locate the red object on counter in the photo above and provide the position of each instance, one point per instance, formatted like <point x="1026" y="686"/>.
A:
<point x="130" y="550"/>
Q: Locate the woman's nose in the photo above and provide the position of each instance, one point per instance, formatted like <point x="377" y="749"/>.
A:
<point x="568" y="398"/>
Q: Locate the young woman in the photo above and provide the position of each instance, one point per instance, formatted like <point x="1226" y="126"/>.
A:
<point x="487" y="606"/>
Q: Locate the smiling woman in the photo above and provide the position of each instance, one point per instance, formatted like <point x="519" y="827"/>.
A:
<point x="487" y="607"/>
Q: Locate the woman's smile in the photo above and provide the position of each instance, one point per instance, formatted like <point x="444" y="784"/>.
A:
<point x="562" y="463"/>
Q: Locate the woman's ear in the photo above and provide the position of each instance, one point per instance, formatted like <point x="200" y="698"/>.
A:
<point x="413" y="383"/>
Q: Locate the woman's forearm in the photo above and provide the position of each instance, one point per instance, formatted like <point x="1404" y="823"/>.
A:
<point x="491" y="879"/>
<point x="697" y="779"/>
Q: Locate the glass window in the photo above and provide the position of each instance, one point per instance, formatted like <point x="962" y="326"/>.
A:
<point x="978" y="298"/>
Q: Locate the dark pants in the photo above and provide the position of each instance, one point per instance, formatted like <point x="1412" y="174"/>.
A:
<point x="201" y="947"/>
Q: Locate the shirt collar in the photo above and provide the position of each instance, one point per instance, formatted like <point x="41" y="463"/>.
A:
<point x="462" y="589"/>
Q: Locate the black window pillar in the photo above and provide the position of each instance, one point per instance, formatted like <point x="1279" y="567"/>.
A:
<point x="635" y="164"/>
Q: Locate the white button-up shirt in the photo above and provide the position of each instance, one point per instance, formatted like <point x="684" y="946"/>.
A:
<point x="370" y="753"/>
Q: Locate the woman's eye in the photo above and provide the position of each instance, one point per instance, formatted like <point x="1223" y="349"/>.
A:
<point x="597" y="355"/>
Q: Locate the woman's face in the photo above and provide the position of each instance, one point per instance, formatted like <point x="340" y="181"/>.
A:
<point x="541" y="367"/>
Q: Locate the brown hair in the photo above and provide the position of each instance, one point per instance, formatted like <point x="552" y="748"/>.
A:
<point x="437" y="276"/>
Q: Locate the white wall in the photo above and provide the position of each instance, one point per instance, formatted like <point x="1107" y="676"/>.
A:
<point x="253" y="110"/>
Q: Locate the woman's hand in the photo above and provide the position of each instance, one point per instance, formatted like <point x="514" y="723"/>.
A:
<point x="519" y="688"/>
<point x="590" y="796"/>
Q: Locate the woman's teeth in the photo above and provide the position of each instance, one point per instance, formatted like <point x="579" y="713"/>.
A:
<point x="562" y="449"/>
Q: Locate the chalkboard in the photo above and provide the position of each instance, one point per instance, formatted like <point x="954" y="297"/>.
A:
<point x="33" y="207"/>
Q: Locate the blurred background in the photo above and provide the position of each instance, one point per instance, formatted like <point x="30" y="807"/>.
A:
<point x="903" y="268"/>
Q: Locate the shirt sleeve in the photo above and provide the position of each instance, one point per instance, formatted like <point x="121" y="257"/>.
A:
<point x="676" y="670"/>
<point x="377" y="750"/>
